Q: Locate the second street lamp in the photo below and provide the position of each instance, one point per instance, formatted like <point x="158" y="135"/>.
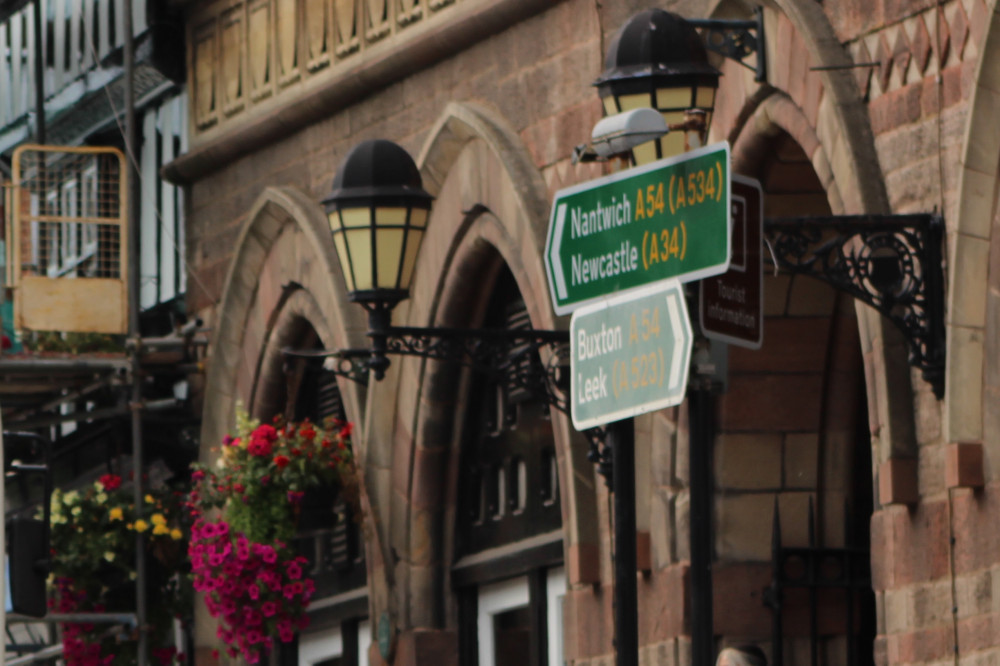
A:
<point x="658" y="60"/>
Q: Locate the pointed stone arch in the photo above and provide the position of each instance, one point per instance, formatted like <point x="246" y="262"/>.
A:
<point x="972" y="379"/>
<point x="491" y="210"/>
<point x="822" y="109"/>
<point x="283" y="273"/>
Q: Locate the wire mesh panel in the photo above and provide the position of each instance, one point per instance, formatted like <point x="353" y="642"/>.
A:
<point x="67" y="239"/>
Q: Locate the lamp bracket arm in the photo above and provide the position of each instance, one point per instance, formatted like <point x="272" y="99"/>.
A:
<point x="894" y="263"/>
<point x="510" y="357"/>
<point x="737" y="40"/>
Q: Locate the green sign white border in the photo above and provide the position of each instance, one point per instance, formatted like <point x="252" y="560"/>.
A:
<point x="553" y="241"/>
<point x="680" y="323"/>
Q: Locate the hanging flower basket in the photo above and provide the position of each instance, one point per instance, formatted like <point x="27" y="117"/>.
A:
<point x="246" y="509"/>
<point x="93" y="545"/>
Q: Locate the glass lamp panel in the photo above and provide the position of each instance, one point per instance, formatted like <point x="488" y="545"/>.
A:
<point x="389" y="217"/>
<point x="672" y="144"/>
<point x="610" y="105"/>
<point x="410" y="259"/>
<point x="356" y="217"/>
<point x="388" y="250"/>
<point x="345" y="259"/>
<point x="673" y="118"/>
<point x="359" y="245"/>
<point x="674" y="98"/>
<point x="705" y="98"/>
<point x="334" y="218"/>
<point x="418" y="218"/>
<point x="636" y="101"/>
<point x="644" y="153"/>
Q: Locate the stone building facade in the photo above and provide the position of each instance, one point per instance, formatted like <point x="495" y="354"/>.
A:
<point x="869" y="108"/>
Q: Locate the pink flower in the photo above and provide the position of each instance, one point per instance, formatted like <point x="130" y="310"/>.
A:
<point x="268" y="608"/>
<point x="197" y="475"/>
<point x="254" y="592"/>
<point x="289" y="591"/>
<point x="294" y="571"/>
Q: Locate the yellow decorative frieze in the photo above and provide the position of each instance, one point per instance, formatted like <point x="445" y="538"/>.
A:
<point x="244" y="53"/>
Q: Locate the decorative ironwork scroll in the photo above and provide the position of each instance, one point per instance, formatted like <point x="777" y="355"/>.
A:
<point x="893" y="263"/>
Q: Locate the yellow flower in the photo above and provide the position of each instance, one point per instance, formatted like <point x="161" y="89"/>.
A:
<point x="109" y="556"/>
<point x="76" y="511"/>
<point x="158" y="519"/>
<point x="116" y="513"/>
<point x="176" y="534"/>
<point x="141" y="526"/>
<point x="161" y="529"/>
<point x="149" y="499"/>
<point x="102" y="498"/>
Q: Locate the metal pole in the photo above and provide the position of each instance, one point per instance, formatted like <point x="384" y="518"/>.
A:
<point x="39" y="74"/>
<point x="701" y="410"/>
<point x="620" y="438"/>
<point x="128" y="52"/>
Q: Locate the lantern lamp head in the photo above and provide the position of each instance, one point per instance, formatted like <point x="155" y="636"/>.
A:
<point x="378" y="213"/>
<point x="658" y="60"/>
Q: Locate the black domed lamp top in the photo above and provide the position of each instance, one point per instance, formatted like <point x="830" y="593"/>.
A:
<point x="378" y="170"/>
<point x="378" y="211"/>
<point x="655" y="47"/>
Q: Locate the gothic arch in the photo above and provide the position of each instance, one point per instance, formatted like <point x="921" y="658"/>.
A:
<point x="972" y="302"/>
<point x="491" y="209"/>
<point x="824" y="112"/>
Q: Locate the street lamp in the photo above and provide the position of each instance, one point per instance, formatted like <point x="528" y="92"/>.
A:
<point x="378" y="212"/>
<point x="658" y="60"/>
<point x="378" y="215"/>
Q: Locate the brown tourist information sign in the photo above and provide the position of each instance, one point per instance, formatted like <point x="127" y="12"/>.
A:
<point x="731" y="307"/>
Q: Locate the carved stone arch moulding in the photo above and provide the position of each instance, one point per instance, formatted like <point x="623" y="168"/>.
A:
<point x="283" y="243"/>
<point x="972" y="381"/>
<point x="822" y="109"/>
<point x="491" y="209"/>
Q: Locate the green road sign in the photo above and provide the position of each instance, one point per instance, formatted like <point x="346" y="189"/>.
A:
<point x="630" y="354"/>
<point x="669" y="219"/>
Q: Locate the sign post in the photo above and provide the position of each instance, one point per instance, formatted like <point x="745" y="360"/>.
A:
<point x="615" y="234"/>
<point x="731" y="306"/>
<point x="629" y="355"/>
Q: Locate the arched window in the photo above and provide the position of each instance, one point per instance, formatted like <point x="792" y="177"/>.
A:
<point x="508" y="568"/>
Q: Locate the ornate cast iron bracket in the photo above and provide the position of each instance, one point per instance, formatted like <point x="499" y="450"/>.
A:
<point x="893" y="263"/>
<point x="737" y="40"/>
<point x="509" y="357"/>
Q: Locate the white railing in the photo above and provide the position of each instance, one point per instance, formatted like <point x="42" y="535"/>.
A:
<point x="84" y="33"/>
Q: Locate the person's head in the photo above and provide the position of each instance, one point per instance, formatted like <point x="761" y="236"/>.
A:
<point x="742" y="655"/>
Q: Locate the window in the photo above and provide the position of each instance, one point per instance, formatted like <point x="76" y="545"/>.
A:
<point x="504" y="620"/>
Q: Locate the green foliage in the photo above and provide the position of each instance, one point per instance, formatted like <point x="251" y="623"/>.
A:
<point x="262" y="473"/>
<point x="73" y="343"/>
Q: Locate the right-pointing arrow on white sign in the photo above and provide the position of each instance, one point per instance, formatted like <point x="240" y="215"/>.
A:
<point x="677" y="326"/>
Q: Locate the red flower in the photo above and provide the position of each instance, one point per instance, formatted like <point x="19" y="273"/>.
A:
<point x="111" y="481"/>
<point x="281" y="461"/>
<point x="325" y="443"/>
<point x="347" y="429"/>
<point x="296" y="452"/>
<point x="265" y="432"/>
<point x="307" y="432"/>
